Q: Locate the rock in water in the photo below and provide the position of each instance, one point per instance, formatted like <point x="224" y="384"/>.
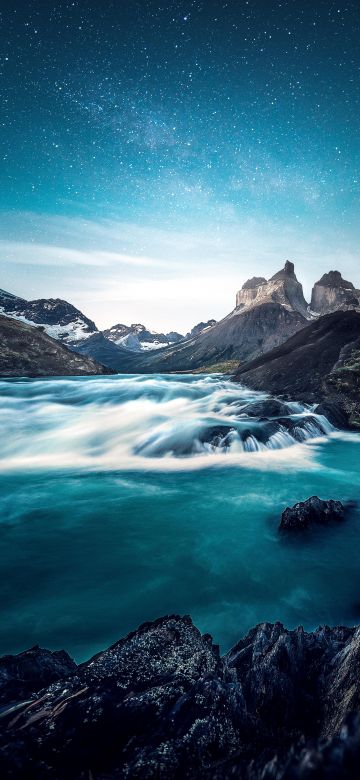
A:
<point x="313" y="511"/>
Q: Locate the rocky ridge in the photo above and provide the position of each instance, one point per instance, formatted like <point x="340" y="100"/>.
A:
<point x="60" y="319"/>
<point x="281" y="705"/>
<point x="26" y="350"/>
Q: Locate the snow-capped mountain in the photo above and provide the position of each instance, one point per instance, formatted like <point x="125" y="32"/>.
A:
<point x="138" y="338"/>
<point x="60" y="319"/>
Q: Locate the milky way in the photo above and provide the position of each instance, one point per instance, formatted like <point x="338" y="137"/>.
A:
<point x="175" y="114"/>
<point x="150" y="106"/>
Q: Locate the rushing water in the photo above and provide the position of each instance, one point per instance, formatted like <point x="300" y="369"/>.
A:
<point x="125" y="498"/>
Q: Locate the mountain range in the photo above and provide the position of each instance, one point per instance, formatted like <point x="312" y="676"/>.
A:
<point x="267" y="313"/>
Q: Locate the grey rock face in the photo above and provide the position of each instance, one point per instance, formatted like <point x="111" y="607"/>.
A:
<point x="162" y="703"/>
<point x="199" y="328"/>
<point x="332" y="293"/>
<point x="254" y="282"/>
<point x="282" y="288"/>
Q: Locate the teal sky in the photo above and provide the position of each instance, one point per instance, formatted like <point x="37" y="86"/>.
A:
<point x="157" y="154"/>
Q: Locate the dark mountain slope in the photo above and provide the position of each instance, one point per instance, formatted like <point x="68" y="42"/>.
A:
<point x="106" y="352"/>
<point x="28" y="351"/>
<point x="241" y="335"/>
<point x="266" y="314"/>
<point x="322" y="361"/>
<point x="162" y="703"/>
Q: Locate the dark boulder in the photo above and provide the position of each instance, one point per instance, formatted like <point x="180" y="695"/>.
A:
<point x="269" y="407"/>
<point x="219" y="436"/>
<point x="313" y="511"/>
<point x="335" y="412"/>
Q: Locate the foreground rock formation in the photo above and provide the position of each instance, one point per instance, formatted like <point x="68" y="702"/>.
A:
<point x="162" y="703"/>
<point x="28" y="351"/>
<point x="320" y="363"/>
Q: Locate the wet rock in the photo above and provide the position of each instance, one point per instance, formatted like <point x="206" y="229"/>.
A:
<point x="219" y="436"/>
<point x="313" y="511"/>
<point x="163" y="703"/>
<point x="270" y="407"/>
<point x="335" y="412"/>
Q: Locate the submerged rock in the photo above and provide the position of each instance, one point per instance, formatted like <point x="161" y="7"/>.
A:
<point x="163" y="703"/>
<point x="313" y="511"/>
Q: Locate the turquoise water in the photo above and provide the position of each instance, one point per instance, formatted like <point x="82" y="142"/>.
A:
<point x="115" y="509"/>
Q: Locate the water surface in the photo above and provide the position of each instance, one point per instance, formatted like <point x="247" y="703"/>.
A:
<point x="115" y="508"/>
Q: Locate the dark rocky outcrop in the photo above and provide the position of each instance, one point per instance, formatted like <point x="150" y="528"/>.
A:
<point x="200" y="327"/>
<point x="162" y="703"/>
<point x="26" y="673"/>
<point x="313" y="511"/>
<point x="332" y="293"/>
<point x="28" y="351"/>
<point x="269" y="407"/>
<point x="321" y="363"/>
<point x="334" y="411"/>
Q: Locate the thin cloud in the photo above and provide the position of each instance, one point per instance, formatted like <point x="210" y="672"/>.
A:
<point x="168" y="278"/>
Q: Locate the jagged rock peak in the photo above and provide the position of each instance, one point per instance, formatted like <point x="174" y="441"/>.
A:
<point x="254" y="282"/>
<point x="333" y="293"/>
<point x="283" y="288"/>
<point x="287" y="272"/>
<point x="334" y="279"/>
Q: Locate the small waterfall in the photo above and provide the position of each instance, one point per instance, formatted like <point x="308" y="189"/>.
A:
<point x="128" y="421"/>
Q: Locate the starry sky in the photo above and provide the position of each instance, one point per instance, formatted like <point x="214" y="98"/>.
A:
<point x="154" y="155"/>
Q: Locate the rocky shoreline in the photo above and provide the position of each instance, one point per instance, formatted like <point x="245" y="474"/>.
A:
<point x="163" y="703"/>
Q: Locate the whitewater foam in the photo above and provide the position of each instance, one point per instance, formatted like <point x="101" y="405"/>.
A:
<point x="149" y="423"/>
